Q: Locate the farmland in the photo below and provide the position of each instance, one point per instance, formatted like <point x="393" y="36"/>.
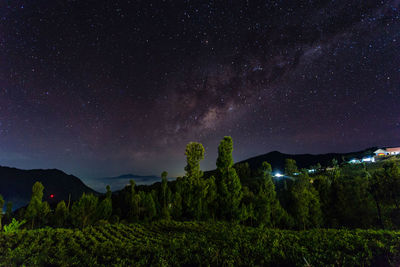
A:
<point x="167" y="243"/>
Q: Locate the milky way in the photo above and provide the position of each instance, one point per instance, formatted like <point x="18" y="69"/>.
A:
<point x="100" y="88"/>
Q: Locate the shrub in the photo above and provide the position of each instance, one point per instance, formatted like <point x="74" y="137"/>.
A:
<point x="13" y="226"/>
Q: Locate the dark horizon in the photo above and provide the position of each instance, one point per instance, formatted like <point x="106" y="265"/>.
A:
<point x="122" y="87"/>
<point x="170" y="176"/>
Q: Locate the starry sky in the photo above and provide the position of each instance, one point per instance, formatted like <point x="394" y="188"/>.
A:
<point x="101" y="88"/>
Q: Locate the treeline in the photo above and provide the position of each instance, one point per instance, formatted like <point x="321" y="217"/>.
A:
<point x="347" y="196"/>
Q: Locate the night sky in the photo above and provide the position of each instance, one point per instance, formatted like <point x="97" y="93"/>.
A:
<point x="102" y="88"/>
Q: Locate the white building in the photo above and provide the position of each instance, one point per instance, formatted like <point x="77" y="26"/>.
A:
<point x="391" y="151"/>
<point x="380" y="152"/>
<point x="368" y="159"/>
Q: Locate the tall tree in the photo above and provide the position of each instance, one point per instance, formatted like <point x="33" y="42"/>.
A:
<point x="268" y="210"/>
<point x="377" y="189"/>
<point x="305" y="206"/>
<point x="392" y="184"/>
<point x="84" y="211"/>
<point x="133" y="202"/>
<point x="60" y="214"/>
<point x="192" y="186"/>
<point x="210" y="209"/>
<point x="104" y="209"/>
<point x="246" y="176"/>
<point x="194" y="154"/>
<point x="164" y="196"/>
<point x="177" y="206"/>
<point x="247" y="213"/>
<point x="266" y="195"/>
<point x="229" y="186"/>
<point x="37" y="210"/>
<point x="108" y="192"/>
<point x="149" y="207"/>
<point x="323" y="185"/>
<point x="290" y="167"/>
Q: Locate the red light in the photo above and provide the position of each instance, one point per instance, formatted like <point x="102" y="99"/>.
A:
<point x="51" y="196"/>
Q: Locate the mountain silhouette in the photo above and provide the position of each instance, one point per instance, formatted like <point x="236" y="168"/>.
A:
<point x="16" y="185"/>
<point x="277" y="159"/>
<point x="119" y="182"/>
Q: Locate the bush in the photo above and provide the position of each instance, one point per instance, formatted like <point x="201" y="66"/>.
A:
<point x="13" y="226"/>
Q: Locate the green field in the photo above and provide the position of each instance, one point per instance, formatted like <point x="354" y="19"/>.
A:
<point x="176" y="243"/>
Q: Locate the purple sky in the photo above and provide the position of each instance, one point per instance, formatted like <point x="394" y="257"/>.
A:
<point x="101" y="88"/>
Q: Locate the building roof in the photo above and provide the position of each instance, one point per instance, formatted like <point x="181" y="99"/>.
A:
<point x="380" y="151"/>
<point x="393" y="149"/>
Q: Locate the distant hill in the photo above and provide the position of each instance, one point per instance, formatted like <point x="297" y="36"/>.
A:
<point x="277" y="159"/>
<point x="119" y="182"/>
<point x="16" y="185"/>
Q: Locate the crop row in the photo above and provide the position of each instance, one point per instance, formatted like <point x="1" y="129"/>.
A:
<point x="176" y="243"/>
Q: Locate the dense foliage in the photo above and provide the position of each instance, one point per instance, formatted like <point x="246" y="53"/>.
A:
<point x="346" y="196"/>
<point x="167" y="243"/>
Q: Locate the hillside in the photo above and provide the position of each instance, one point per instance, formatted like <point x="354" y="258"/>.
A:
<point x="16" y="185"/>
<point x="277" y="159"/>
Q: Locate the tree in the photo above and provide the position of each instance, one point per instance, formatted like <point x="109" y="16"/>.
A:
<point x="1" y="209"/>
<point x="84" y="211"/>
<point x="268" y="210"/>
<point x="228" y="183"/>
<point x="377" y="189"/>
<point x="225" y="159"/>
<point x="164" y="196"/>
<point x="149" y="207"/>
<point x="192" y="186"/>
<point x="60" y="214"/>
<point x="305" y="206"/>
<point x="108" y="192"/>
<point x="194" y="154"/>
<point x="210" y="209"/>
<point x="243" y="171"/>
<point x="392" y="184"/>
<point x="391" y="198"/>
<point x="323" y="184"/>
<point x="246" y="176"/>
<point x="247" y="212"/>
<point x="177" y="206"/>
<point x="335" y="163"/>
<point x="104" y="209"/>
<point x="290" y="167"/>
<point x="37" y="210"/>
<point x="133" y="202"/>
